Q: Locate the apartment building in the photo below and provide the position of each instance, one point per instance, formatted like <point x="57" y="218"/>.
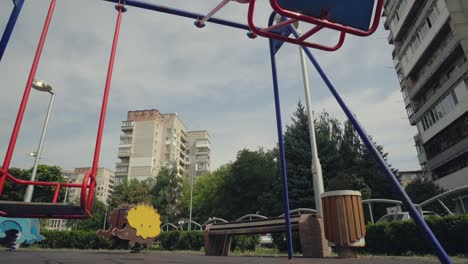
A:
<point x="151" y="140"/>
<point x="430" y="40"/>
<point x="199" y="151"/>
<point x="105" y="181"/>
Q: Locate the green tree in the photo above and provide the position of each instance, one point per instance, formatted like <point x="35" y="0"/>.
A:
<point x="251" y="176"/>
<point x="420" y="191"/>
<point x="298" y="160"/>
<point x="45" y="173"/>
<point x="96" y="222"/>
<point x="133" y="192"/>
<point x="166" y="194"/>
<point x="208" y="196"/>
<point x="13" y="191"/>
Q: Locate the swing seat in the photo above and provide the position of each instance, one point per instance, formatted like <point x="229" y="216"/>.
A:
<point x="54" y="209"/>
<point x="41" y="210"/>
<point x="360" y="18"/>
<point x="354" y="14"/>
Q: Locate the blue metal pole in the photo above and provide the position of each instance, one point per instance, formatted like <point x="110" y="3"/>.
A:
<point x="282" y="155"/>
<point x="413" y="211"/>
<point x="182" y="13"/>
<point x="10" y="26"/>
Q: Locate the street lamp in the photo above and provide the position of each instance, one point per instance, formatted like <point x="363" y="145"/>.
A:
<point x="317" y="176"/>
<point x="191" y="203"/>
<point x="42" y="87"/>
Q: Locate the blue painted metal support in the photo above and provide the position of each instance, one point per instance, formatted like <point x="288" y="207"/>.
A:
<point x="182" y="13"/>
<point x="413" y="211"/>
<point x="282" y="155"/>
<point x="10" y="26"/>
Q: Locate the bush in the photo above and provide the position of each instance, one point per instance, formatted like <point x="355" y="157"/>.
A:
<point x="280" y="242"/>
<point x="181" y="240"/>
<point x="404" y="237"/>
<point x="245" y="242"/>
<point x="73" y="239"/>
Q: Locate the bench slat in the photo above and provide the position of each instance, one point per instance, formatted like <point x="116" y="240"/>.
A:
<point x="252" y="231"/>
<point x="256" y="224"/>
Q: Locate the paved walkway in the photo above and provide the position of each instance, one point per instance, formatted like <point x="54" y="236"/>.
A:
<point x="117" y="257"/>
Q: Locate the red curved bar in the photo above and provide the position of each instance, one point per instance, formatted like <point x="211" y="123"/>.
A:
<point x="299" y="41"/>
<point x="325" y="23"/>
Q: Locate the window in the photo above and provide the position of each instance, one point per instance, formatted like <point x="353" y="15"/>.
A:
<point x="409" y="111"/>
<point x="401" y="77"/>
<point x="405" y="93"/>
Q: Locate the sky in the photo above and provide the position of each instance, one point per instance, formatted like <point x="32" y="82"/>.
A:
<point x="215" y="79"/>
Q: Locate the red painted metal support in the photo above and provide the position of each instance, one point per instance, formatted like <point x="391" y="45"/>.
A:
<point x="56" y="193"/>
<point x="24" y="101"/>
<point x="325" y="23"/>
<point x="272" y="35"/>
<point x="105" y="99"/>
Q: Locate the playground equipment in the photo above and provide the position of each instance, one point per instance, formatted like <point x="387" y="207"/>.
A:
<point x="356" y="19"/>
<point x="138" y="224"/>
<point x="17" y="6"/>
<point x="16" y="231"/>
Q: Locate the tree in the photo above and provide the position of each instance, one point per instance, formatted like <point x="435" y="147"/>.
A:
<point x="251" y="176"/>
<point x="45" y="173"/>
<point x="13" y="191"/>
<point x="207" y="194"/>
<point x="420" y="191"/>
<point x="298" y="160"/>
<point x="133" y="192"/>
<point x="97" y="221"/>
<point x="166" y="194"/>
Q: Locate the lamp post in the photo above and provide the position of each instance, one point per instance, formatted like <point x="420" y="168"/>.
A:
<point x="191" y="202"/>
<point x="42" y="87"/>
<point x="317" y="176"/>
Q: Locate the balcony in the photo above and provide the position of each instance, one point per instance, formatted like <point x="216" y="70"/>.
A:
<point x="124" y="152"/>
<point x="434" y="64"/>
<point x="122" y="164"/>
<point x="121" y="174"/>
<point x="127" y="125"/>
<point x="400" y="28"/>
<point x="449" y="84"/>
<point x="449" y="154"/>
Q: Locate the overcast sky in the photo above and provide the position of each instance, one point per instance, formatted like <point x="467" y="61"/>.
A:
<point x="214" y="78"/>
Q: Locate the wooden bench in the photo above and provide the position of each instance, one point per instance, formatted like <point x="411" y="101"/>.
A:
<point x="310" y="228"/>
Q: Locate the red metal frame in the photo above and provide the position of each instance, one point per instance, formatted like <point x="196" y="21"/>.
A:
<point x="320" y="24"/>
<point x="325" y="23"/>
<point x="89" y="180"/>
<point x="267" y="33"/>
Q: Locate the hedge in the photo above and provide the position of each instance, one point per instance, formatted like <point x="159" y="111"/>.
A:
<point x="404" y="237"/>
<point x="74" y="239"/>
<point x="389" y="238"/>
<point x="193" y="240"/>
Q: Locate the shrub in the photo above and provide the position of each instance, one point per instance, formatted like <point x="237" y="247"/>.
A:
<point x="181" y="240"/>
<point x="73" y="239"/>
<point x="280" y="242"/>
<point x="245" y="242"/>
<point x="404" y="237"/>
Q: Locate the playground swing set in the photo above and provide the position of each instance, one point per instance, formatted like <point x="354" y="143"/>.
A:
<point x="359" y="18"/>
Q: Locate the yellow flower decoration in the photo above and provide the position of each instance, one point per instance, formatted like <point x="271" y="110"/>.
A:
<point x="146" y="220"/>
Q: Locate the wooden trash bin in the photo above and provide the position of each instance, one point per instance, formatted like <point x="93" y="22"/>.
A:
<point x="344" y="222"/>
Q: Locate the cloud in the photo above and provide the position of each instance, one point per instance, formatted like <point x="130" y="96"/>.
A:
<point x="215" y="78"/>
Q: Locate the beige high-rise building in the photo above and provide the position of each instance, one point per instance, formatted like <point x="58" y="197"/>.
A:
<point x="430" y="41"/>
<point x="149" y="141"/>
<point x="199" y="150"/>
<point x="105" y="181"/>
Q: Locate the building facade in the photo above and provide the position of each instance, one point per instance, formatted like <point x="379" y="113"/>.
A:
<point x="105" y="181"/>
<point x="430" y="40"/>
<point x="199" y="152"/>
<point x="151" y="140"/>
